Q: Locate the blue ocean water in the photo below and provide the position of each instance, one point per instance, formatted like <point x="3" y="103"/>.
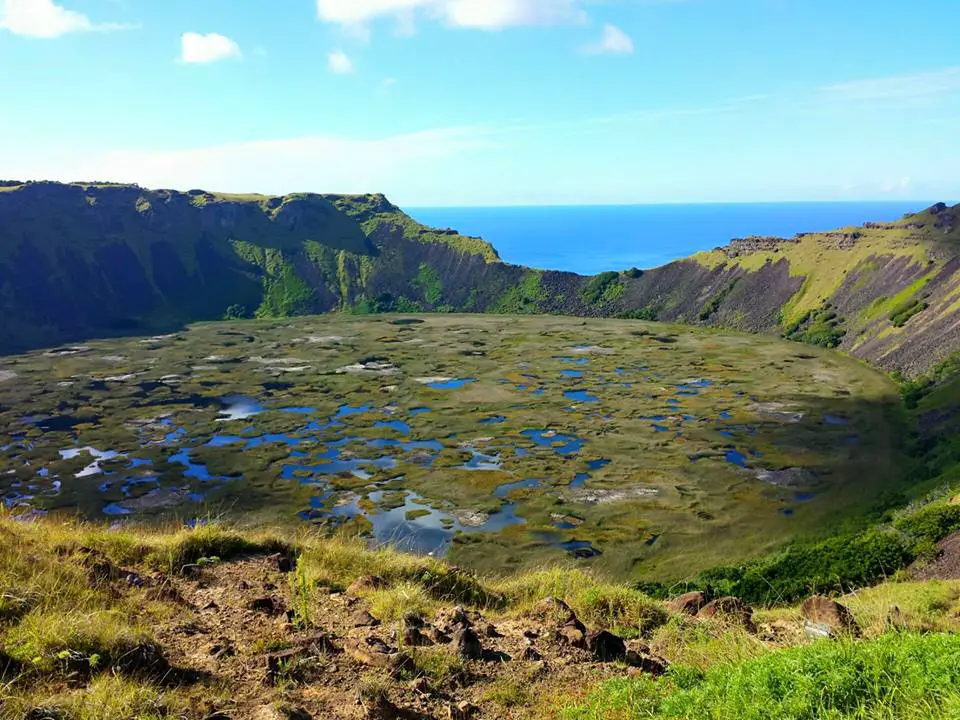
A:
<point x="591" y="239"/>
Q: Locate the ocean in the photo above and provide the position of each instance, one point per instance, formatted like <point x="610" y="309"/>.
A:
<point x="591" y="239"/>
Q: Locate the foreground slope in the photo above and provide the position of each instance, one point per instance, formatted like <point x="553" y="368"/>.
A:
<point x="84" y="260"/>
<point x="207" y="623"/>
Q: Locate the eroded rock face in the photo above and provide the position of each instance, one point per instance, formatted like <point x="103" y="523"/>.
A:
<point x="824" y="611"/>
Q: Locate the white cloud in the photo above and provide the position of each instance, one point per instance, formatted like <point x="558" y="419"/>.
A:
<point x="483" y="14"/>
<point x="339" y="63"/>
<point x="613" y="41"/>
<point x="401" y="165"/>
<point x="45" y="19"/>
<point x="196" y="48"/>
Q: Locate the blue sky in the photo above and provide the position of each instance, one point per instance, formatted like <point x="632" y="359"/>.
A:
<point x="480" y="102"/>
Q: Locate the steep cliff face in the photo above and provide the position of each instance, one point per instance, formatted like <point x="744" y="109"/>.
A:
<point x="92" y="259"/>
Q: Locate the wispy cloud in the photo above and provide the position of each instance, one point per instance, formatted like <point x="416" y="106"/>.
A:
<point x="339" y="63"/>
<point x="613" y="41"/>
<point x="935" y="83"/>
<point x="44" y="19"/>
<point x="199" y="49"/>
<point x="322" y="163"/>
<point x="482" y="14"/>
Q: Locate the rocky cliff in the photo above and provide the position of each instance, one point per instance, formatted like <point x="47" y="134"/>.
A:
<point x="93" y="259"/>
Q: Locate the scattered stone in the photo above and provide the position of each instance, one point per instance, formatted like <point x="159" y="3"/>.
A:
<point x="284" y="563"/>
<point x="437" y="636"/>
<point x="371" y="651"/>
<point x="362" y="618"/>
<point x="531" y="654"/>
<point x="824" y="611"/>
<point x="412" y="620"/>
<point x="268" y="605"/>
<point x="6" y="375"/>
<point x="401" y="665"/>
<point x="462" y="711"/>
<point x="414" y="637"/>
<point x="606" y="647"/>
<point x="730" y="609"/>
<point x="646" y="664"/>
<point x="456" y="618"/>
<point x="365" y="584"/>
<point x="42" y="713"/>
<point x="688" y="604"/>
<point x="488" y="630"/>
<point x="467" y="645"/>
<point x="573" y="636"/>
<point x="422" y="686"/>
<point x="556" y="611"/>
<point x="222" y="649"/>
<point x="143" y="659"/>
<point x="599" y="496"/>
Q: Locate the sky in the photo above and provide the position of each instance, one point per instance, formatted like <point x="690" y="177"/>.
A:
<point x="489" y="102"/>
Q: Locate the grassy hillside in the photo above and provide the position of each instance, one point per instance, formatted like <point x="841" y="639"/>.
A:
<point x="85" y="260"/>
<point x="208" y="622"/>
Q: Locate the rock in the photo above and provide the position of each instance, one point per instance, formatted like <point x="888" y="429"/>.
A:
<point x="824" y="611"/>
<point x="191" y="571"/>
<point x="101" y="572"/>
<point x="283" y="712"/>
<point x="467" y="645"/>
<point x="555" y="611"/>
<point x="422" y="686"/>
<point x="606" y="646"/>
<point x="320" y="643"/>
<point x="731" y="609"/>
<point x="143" y="659"/>
<point x="646" y="664"/>
<point x="401" y="665"/>
<point x="362" y="618"/>
<point x="688" y="603"/>
<point x="42" y="713"/>
<point x="462" y="711"/>
<point x="222" y="649"/>
<point x="412" y="620"/>
<point x="165" y="592"/>
<point x="531" y="654"/>
<point x="457" y="618"/>
<point x="284" y="563"/>
<point x="573" y="636"/>
<point x="414" y="637"/>
<point x="268" y="605"/>
<point x="365" y="584"/>
<point x="243" y="585"/>
<point x="437" y="636"/>
<point x="371" y="651"/>
<point x="488" y="630"/>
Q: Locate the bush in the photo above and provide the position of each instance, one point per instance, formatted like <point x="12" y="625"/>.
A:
<point x="602" y="288"/>
<point x="901" y="314"/>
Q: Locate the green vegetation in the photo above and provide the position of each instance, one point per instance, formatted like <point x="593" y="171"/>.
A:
<point x="913" y="677"/>
<point x="650" y="313"/>
<point x="602" y="289"/>
<point x="821" y="327"/>
<point x="901" y="314"/>
<point x="428" y="281"/>
<point x="711" y="307"/>
<point x="524" y="298"/>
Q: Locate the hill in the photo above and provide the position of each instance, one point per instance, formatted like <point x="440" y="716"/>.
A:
<point x="84" y="260"/>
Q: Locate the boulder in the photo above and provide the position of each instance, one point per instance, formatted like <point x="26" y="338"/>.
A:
<point x="466" y="644"/>
<point x="143" y="659"/>
<point x="267" y="604"/>
<point x="646" y="664"/>
<point x="687" y="604"/>
<point x="730" y="609"/>
<point x="824" y="611"/>
<point x="606" y="647"/>
<point x="362" y="618"/>
<point x="283" y="563"/>
<point x="555" y="611"/>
